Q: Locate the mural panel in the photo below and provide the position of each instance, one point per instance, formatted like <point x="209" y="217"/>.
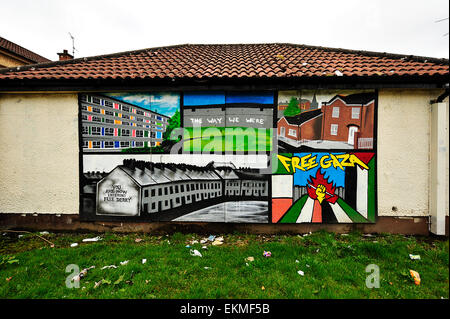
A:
<point x="325" y="120"/>
<point x="236" y="157"/>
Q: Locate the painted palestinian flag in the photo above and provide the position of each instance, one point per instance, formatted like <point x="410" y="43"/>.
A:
<point x="323" y="203"/>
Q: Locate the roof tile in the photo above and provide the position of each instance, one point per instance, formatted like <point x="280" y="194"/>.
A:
<point x="233" y="61"/>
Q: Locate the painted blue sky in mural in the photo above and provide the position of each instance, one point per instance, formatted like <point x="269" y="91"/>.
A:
<point x="335" y="175"/>
<point x="163" y="103"/>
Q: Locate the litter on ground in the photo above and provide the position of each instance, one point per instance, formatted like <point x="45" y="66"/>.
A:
<point x="267" y="253"/>
<point x="195" y="252"/>
<point x="414" y="257"/>
<point x="74" y="245"/>
<point x="144" y="261"/>
<point x="138" y="240"/>
<point x="415" y="275"/>
<point x="301" y="273"/>
<point x="211" y="238"/>
<point x="250" y="258"/>
<point x="123" y="263"/>
<point x="110" y="266"/>
<point x="92" y="239"/>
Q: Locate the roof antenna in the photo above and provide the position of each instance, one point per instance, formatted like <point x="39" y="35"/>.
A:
<point x="440" y="20"/>
<point x="73" y="45"/>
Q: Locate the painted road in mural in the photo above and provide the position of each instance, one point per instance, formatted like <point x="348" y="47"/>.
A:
<point x="231" y="212"/>
<point x="321" y="171"/>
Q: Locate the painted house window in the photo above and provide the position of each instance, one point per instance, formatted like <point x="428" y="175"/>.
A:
<point x="109" y="113"/>
<point x="96" y="119"/>
<point x="335" y="112"/>
<point x="355" y="112"/>
<point x="108" y="103"/>
<point x="84" y="107"/>
<point x="139" y="112"/>
<point x="125" y="132"/>
<point x="96" y="110"/>
<point x="96" y="144"/>
<point x="125" y="123"/>
<point x="124" y="116"/>
<point x="109" y="131"/>
<point x="95" y="130"/>
<point x="84" y="117"/>
<point x="292" y="132"/>
<point x="334" y="129"/>
<point x="109" y="121"/>
<point x="85" y="130"/>
<point x="139" y="144"/>
<point x="124" y="144"/>
<point x="85" y="144"/>
<point x="139" y="133"/>
<point x="96" y="100"/>
<point x="109" y="144"/>
<point x="125" y="108"/>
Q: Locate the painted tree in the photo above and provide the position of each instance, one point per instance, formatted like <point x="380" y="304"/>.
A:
<point x="173" y="123"/>
<point x="293" y="108"/>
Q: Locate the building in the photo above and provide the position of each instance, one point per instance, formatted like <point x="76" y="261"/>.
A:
<point x="112" y="125"/>
<point x="141" y="188"/>
<point x="305" y="126"/>
<point x="12" y="55"/>
<point x="40" y="122"/>
<point x="349" y="119"/>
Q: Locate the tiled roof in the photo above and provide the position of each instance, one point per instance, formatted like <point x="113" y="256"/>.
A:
<point x="224" y="61"/>
<point x="303" y="117"/>
<point x="21" y="51"/>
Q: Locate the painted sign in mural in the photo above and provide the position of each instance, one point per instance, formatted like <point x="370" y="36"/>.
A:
<point x="324" y="187"/>
<point x="236" y="157"/>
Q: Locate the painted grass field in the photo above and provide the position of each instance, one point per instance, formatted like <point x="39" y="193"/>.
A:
<point x="221" y="139"/>
<point x="333" y="266"/>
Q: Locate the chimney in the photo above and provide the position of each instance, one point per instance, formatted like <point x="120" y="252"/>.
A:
<point x="65" y="56"/>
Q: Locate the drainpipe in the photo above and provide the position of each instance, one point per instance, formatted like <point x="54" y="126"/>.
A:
<point x="438" y="162"/>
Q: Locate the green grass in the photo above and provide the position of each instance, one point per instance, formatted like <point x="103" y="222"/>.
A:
<point x="336" y="266"/>
<point x="226" y="139"/>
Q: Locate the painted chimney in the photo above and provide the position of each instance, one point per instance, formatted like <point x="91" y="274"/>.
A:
<point x="65" y="56"/>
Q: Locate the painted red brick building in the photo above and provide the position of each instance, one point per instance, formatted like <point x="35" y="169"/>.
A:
<point x="349" y="119"/>
<point x="304" y="126"/>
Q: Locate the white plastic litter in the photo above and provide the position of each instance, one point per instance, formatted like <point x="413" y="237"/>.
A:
<point x="296" y="261"/>
<point x="44" y="233"/>
<point x="92" y="239"/>
<point x="110" y="266"/>
<point x="338" y="73"/>
<point x="74" y="245"/>
<point x="195" y="252"/>
<point x="211" y="238"/>
<point x="301" y="273"/>
<point x="144" y="261"/>
<point x="414" y="257"/>
<point x="204" y="247"/>
<point x="123" y="263"/>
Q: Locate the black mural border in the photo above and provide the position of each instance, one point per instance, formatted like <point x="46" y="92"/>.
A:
<point x="86" y="218"/>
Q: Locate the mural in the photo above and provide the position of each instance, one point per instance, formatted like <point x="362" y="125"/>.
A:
<point x="175" y="188"/>
<point x="325" y="120"/>
<point x="129" y="122"/>
<point x="228" y="121"/>
<point x="324" y="187"/>
<point x="233" y="157"/>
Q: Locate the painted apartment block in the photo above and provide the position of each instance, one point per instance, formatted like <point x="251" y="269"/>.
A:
<point x="112" y="125"/>
<point x="349" y="119"/>
<point x="137" y="187"/>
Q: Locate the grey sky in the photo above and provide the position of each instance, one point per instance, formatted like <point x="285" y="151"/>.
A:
<point x="101" y="27"/>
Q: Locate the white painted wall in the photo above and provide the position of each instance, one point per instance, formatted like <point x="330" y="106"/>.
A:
<point x="404" y="118"/>
<point x="39" y="153"/>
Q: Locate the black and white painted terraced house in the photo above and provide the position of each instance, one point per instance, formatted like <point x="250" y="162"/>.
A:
<point x="139" y="188"/>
